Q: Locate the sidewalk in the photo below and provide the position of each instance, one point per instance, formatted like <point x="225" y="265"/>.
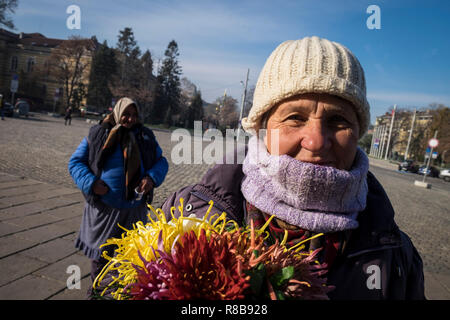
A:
<point x="38" y="225"/>
<point x="382" y="163"/>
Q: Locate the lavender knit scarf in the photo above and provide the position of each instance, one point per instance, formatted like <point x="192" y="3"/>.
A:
<point x="312" y="197"/>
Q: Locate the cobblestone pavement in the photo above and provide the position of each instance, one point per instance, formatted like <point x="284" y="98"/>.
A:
<point x="40" y="209"/>
<point x="40" y="147"/>
<point x="424" y="215"/>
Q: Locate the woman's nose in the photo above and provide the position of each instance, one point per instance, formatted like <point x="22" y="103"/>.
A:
<point x="316" y="137"/>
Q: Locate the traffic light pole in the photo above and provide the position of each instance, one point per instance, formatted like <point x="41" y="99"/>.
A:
<point x="410" y="135"/>
<point x="429" y="159"/>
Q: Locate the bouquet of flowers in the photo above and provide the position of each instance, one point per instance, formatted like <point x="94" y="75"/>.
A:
<point x="207" y="258"/>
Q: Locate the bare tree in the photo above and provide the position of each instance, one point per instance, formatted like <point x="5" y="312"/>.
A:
<point x="70" y="61"/>
<point x="227" y="112"/>
<point x="5" y="6"/>
<point x="441" y="123"/>
<point x="424" y="131"/>
<point x="141" y="89"/>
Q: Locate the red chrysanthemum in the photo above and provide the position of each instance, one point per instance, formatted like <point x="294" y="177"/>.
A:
<point x="197" y="268"/>
<point x="204" y="269"/>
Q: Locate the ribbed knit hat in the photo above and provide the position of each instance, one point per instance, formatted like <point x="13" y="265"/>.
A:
<point x="309" y="65"/>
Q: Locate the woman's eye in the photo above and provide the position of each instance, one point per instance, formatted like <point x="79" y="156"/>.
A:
<point x="339" y="121"/>
<point x="296" y="117"/>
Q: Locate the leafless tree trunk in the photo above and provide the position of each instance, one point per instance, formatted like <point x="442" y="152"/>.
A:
<point x="69" y="61"/>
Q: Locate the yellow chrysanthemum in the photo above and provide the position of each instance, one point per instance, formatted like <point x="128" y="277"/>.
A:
<point x="143" y="238"/>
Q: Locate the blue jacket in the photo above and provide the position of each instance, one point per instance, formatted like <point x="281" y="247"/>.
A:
<point x="112" y="174"/>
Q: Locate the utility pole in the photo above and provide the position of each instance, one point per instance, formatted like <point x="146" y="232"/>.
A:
<point x="371" y="143"/>
<point x="383" y="142"/>
<point x="374" y="151"/>
<point x="390" y="133"/>
<point x="242" y="104"/>
<point x="224" y="98"/>
<point x="432" y="143"/>
<point x="410" y="135"/>
<point x="378" y="142"/>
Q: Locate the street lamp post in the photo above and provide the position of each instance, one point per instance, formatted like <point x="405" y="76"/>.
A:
<point x="242" y="105"/>
<point x="390" y="132"/>
<point x="410" y="135"/>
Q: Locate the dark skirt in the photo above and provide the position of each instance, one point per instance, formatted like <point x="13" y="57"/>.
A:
<point x="100" y="222"/>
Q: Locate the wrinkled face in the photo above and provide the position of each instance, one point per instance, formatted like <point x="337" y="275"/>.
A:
<point x="316" y="128"/>
<point x="129" y="116"/>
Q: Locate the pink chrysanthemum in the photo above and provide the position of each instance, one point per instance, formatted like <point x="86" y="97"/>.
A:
<point x="150" y="281"/>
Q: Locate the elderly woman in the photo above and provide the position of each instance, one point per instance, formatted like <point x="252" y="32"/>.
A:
<point x="116" y="167"/>
<point x="308" y="172"/>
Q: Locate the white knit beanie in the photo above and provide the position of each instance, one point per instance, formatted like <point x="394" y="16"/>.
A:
<point x="309" y="65"/>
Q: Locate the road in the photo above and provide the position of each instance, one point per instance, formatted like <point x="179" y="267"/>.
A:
<point x="39" y="148"/>
<point x="422" y="213"/>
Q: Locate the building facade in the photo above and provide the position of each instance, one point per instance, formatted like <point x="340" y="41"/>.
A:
<point x="26" y="57"/>
<point x="400" y="135"/>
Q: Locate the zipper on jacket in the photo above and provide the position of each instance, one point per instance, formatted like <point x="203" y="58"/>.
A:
<point x="207" y="199"/>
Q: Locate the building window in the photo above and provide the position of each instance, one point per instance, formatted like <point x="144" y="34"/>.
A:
<point x="14" y="63"/>
<point x="30" y="64"/>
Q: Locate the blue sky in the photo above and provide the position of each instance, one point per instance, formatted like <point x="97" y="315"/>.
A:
<point x="406" y="61"/>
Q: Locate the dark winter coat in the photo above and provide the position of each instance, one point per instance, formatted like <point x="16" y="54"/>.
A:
<point x="379" y="261"/>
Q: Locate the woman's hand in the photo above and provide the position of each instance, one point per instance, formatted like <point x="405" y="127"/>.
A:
<point x="100" y="187"/>
<point x="146" y="184"/>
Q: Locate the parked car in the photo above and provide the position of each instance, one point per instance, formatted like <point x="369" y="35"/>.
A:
<point x="432" y="171"/>
<point x="22" y="108"/>
<point x="408" y="166"/>
<point x="8" y="110"/>
<point x="107" y="111"/>
<point x="445" y="174"/>
<point x="89" y="111"/>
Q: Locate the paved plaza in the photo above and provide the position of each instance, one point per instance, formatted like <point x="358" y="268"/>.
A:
<point x="41" y="209"/>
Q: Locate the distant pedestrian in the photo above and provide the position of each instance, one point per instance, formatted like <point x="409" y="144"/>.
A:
<point x="2" y="104"/>
<point x="68" y="116"/>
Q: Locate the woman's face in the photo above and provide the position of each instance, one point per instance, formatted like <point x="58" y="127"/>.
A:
<point x="129" y="116"/>
<point x="316" y="128"/>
